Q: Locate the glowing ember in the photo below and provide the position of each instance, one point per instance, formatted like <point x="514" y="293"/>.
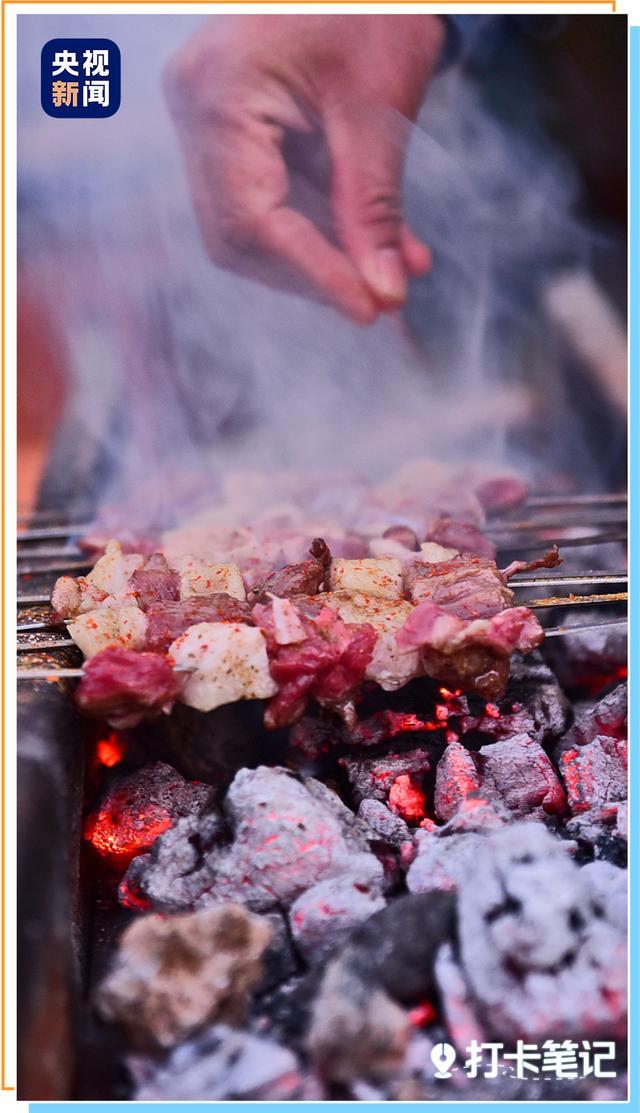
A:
<point x="140" y="808"/>
<point x="422" y="1014"/>
<point x="110" y="751"/>
<point x="407" y="799"/>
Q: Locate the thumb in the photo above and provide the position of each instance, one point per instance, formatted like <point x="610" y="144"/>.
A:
<point x="367" y="150"/>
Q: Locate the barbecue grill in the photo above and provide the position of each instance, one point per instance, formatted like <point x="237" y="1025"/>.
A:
<point x="68" y="930"/>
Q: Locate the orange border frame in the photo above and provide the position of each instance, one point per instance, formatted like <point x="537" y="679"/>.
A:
<point x="4" y="1086"/>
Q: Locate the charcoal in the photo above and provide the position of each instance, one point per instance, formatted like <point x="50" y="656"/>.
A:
<point x="176" y="873"/>
<point x="595" y="774"/>
<point x="356" y="1030"/>
<point x="537" y="952"/>
<point x="534" y="687"/>
<point x="589" y="660"/>
<point x="288" y="835"/>
<point x="383" y="824"/>
<point x="373" y="778"/>
<point x="323" y="916"/>
<point x="396" y="947"/>
<point x="172" y="975"/>
<point x="441" y="864"/>
<point x="457" y="776"/>
<point x="608" y="717"/>
<point x="140" y="807"/>
<point x="519" y="774"/>
<point x="476" y="814"/>
<point x="460" y="1011"/>
<point x="596" y="832"/>
<point x="220" y="1064"/>
<point x="608" y="888"/>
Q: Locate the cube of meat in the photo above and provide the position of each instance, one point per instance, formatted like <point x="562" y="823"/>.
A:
<point x="110" y="624"/>
<point x="112" y="571"/>
<point x="229" y="662"/>
<point x="390" y="667"/>
<point x="203" y="577"/>
<point x="381" y="577"/>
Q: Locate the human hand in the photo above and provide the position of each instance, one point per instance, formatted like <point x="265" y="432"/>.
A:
<point x="242" y="85"/>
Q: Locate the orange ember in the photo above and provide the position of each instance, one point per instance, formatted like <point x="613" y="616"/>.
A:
<point x="407" y="799"/>
<point x="110" y="751"/>
<point x="120" y="836"/>
<point x="422" y="1014"/>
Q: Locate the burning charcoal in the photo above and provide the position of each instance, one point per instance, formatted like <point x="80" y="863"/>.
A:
<point x="589" y="660"/>
<point x="518" y="772"/>
<point x="221" y="1064"/>
<point x="456" y="777"/>
<point x="538" y="954"/>
<point x="608" y="717"/>
<point x="596" y="774"/>
<point x="356" y="1030"/>
<point x="534" y="689"/>
<point x="323" y="916"/>
<point x="476" y="814"/>
<point x="396" y="947"/>
<point x="172" y="975"/>
<point x="373" y="778"/>
<point x="383" y="824"/>
<point x="313" y="738"/>
<point x="622" y="821"/>
<point x="141" y="807"/>
<point x="442" y="863"/>
<point x="175" y="874"/>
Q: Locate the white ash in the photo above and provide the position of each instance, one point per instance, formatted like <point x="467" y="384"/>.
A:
<point x="537" y="953"/>
<point x="324" y="916"/>
<point x="442" y="863"/>
<point x="383" y="824"/>
<point x="220" y="1064"/>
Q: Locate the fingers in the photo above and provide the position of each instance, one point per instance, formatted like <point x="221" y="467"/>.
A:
<point x="367" y="150"/>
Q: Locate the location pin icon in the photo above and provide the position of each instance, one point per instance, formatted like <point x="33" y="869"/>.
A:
<point x="443" y="1056"/>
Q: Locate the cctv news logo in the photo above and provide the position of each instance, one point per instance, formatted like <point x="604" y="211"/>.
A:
<point x="80" y="78"/>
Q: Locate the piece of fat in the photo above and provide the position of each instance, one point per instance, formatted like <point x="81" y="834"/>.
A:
<point x="391" y="668"/>
<point x="109" y="625"/>
<point x="432" y="553"/>
<point x="111" y="573"/>
<point x="203" y="577"/>
<point x="224" y="662"/>
<point x="385" y="615"/>
<point x="379" y="576"/>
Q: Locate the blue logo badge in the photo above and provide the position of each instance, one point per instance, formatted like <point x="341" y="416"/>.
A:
<point x="80" y="78"/>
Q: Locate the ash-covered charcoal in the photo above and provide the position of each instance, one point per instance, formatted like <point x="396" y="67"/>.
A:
<point x="325" y="915"/>
<point x="598" y="833"/>
<point x="383" y="823"/>
<point x="622" y="821"/>
<point x="222" y="1064"/>
<point x="286" y="835"/>
<point x="608" y="885"/>
<point x="459" y="1008"/>
<point x="538" y="952"/>
<point x="606" y="718"/>
<point x="396" y="948"/>
<point x="141" y="807"/>
<point x="356" y="1030"/>
<point x="442" y="863"/>
<point x="457" y="776"/>
<point x="176" y="873"/>
<point x="374" y="778"/>
<point x="477" y="814"/>
<point x="172" y="975"/>
<point x="519" y="774"/>
<point x="595" y="775"/>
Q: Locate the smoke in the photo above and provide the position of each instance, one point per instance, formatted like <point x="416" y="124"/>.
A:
<point x="181" y="372"/>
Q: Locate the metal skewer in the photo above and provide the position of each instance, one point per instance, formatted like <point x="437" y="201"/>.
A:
<point x="576" y="600"/>
<point x="564" y="579"/>
<point x="560" y="631"/>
